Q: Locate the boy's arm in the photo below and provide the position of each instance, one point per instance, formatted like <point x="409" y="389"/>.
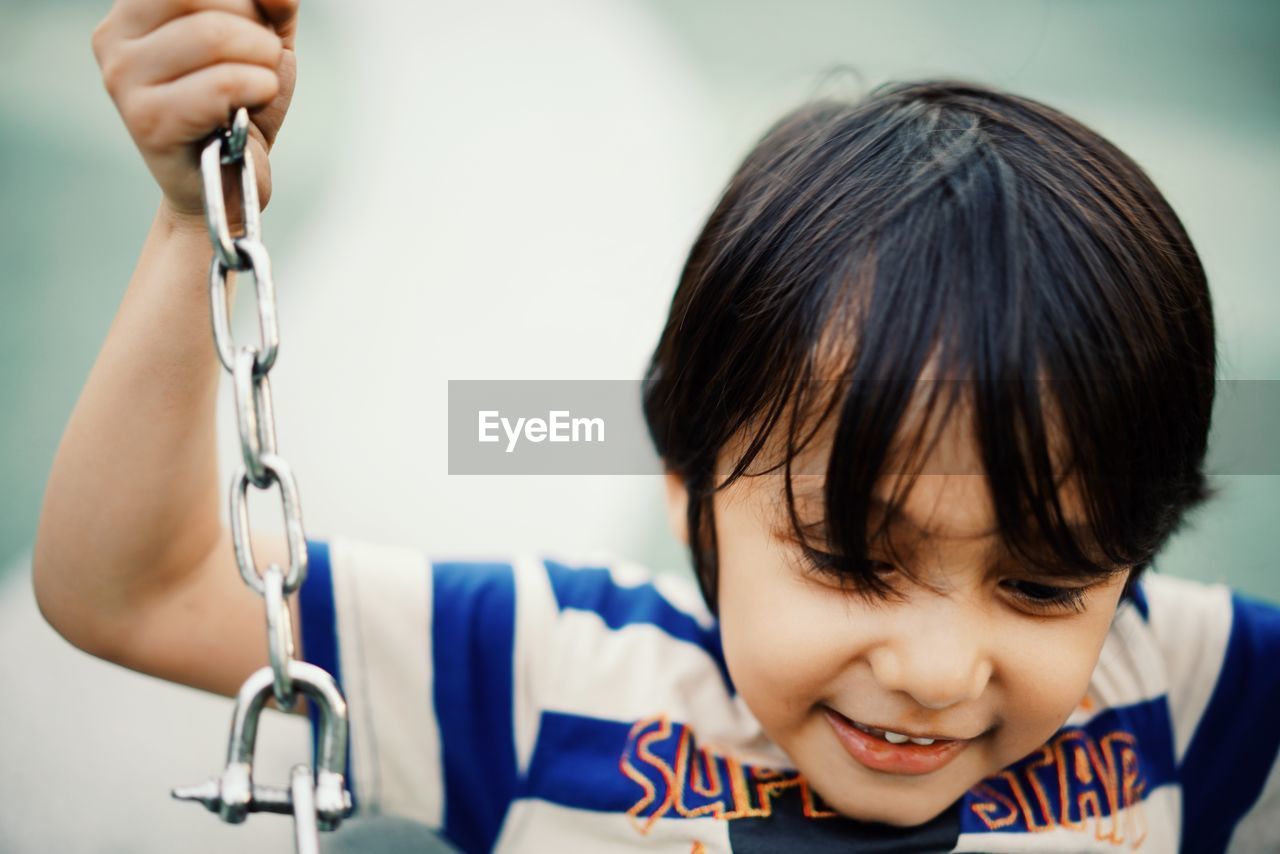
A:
<point x="131" y="560"/>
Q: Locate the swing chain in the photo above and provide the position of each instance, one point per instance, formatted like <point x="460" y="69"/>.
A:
<point x="318" y="803"/>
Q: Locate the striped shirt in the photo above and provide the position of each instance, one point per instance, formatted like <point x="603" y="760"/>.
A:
<point x="533" y="704"/>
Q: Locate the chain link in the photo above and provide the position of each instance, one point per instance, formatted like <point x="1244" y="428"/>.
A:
<point x="230" y="148"/>
<point x="319" y="802"/>
<point x="278" y="472"/>
<point x="254" y="258"/>
<point x="254" y="415"/>
<point x="303" y="791"/>
<point x="279" y="637"/>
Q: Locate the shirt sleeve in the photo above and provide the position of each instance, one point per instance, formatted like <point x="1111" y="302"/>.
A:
<point x="1222" y="650"/>
<point x="424" y="653"/>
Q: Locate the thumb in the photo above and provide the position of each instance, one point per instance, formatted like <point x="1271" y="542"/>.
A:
<point x="270" y="117"/>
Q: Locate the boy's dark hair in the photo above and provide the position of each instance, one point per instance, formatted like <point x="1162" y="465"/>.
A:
<point x="950" y="226"/>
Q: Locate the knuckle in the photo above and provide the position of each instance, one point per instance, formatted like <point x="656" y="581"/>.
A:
<point x="272" y="84"/>
<point x="212" y="35"/>
<point x="112" y="72"/>
<point x="226" y="84"/>
<point x="221" y="37"/>
<point x="277" y="49"/>
<point x="252" y="83"/>
<point x="144" y="121"/>
<point x="262" y="88"/>
<point x="286" y="7"/>
<point x="98" y="40"/>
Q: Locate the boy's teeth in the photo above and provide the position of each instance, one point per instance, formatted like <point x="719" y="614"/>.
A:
<point x="893" y="737"/>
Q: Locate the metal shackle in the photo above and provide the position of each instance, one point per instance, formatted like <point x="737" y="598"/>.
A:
<point x="234" y="794"/>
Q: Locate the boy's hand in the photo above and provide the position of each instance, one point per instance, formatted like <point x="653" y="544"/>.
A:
<point x="177" y="68"/>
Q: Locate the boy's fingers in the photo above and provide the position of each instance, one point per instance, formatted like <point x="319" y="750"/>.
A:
<point x="283" y="15"/>
<point x="189" y="108"/>
<point x="187" y="44"/>
<point x="132" y="19"/>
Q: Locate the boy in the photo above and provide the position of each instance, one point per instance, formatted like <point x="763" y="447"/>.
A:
<point x="934" y="391"/>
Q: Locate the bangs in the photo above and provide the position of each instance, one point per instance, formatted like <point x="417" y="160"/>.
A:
<point x="880" y="436"/>
<point x="936" y="256"/>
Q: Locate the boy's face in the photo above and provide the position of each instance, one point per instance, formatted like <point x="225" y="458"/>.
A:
<point x="989" y="675"/>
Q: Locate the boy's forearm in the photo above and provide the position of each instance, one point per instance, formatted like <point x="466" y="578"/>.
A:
<point x="132" y="501"/>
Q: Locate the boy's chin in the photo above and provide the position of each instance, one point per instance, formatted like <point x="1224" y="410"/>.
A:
<point x="891" y="809"/>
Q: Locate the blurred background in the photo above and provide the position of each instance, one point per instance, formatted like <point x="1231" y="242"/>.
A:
<point x="506" y="191"/>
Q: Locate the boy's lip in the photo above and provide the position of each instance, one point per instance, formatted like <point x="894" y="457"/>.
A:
<point x="880" y="755"/>
<point x="910" y="733"/>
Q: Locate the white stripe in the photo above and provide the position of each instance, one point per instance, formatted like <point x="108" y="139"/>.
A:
<point x="679" y="590"/>
<point x="1152" y="826"/>
<point x="1259" y="828"/>
<point x="1191" y="623"/>
<point x="639" y="671"/>
<point x="383" y="601"/>
<point x="683" y="594"/>
<point x="535" y="622"/>
<point x="1130" y="667"/>
<point x="533" y="825"/>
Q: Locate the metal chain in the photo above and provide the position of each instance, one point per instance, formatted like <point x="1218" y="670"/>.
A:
<point x="322" y="801"/>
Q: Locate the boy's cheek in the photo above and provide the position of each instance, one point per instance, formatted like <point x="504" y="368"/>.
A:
<point x="1050" y="669"/>
<point x="786" y="648"/>
<point x="1043" y="683"/>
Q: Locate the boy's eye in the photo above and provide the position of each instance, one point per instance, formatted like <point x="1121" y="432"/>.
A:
<point x="1047" y="597"/>
<point x="1033" y="595"/>
<point x="833" y="564"/>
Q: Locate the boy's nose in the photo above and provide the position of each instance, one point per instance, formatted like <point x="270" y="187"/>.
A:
<point x="939" y="663"/>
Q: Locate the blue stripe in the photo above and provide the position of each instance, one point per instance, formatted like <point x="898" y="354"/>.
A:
<point x="1236" y="740"/>
<point x="472" y="635"/>
<point x="1138" y="597"/>
<point x="575" y="764"/>
<point x="593" y="589"/>
<point x="1120" y="756"/>
<point x="320" y="637"/>
<point x="653" y="769"/>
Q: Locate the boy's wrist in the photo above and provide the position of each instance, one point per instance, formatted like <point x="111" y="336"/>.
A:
<point x="183" y="224"/>
<point x="189" y="226"/>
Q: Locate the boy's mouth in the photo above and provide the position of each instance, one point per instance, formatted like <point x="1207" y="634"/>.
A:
<point x="894" y="752"/>
<point x="896" y="737"/>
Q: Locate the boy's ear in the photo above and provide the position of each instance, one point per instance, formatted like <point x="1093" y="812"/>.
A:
<point x="677" y="506"/>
